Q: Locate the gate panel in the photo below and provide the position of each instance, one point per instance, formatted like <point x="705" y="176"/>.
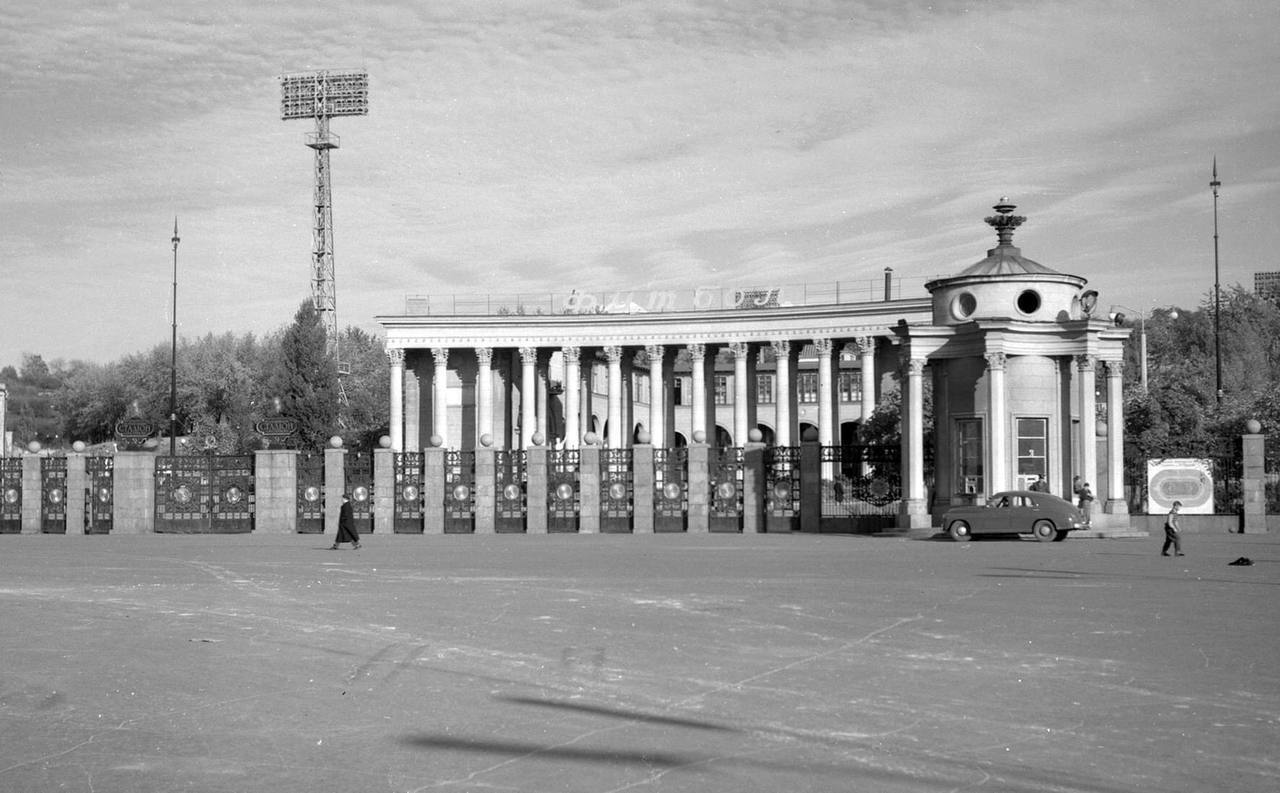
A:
<point x="671" y="489"/>
<point x="459" y="491"/>
<point x="206" y="494"/>
<point x="782" y="488"/>
<point x="233" y="494"/>
<point x="310" y="493"/>
<point x="100" y="496"/>
<point x="10" y="495"/>
<point x="510" y="476"/>
<point x="357" y="482"/>
<point x="408" y="514"/>
<point x="53" y="495"/>
<point x="617" y="490"/>
<point x="565" y="497"/>
<point x="726" y="489"/>
<point x="865" y="491"/>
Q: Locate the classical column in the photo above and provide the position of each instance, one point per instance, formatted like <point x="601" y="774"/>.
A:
<point x="826" y="432"/>
<point x="395" y="356"/>
<point x="741" y="392"/>
<point x="617" y="433"/>
<point x="915" y="506"/>
<point x="484" y="393"/>
<point x="528" y="395"/>
<point x="440" y="395"/>
<point x="698" y="387"/>
<point x="572" y="395"/>
<point x="1116" y="503"/>
<point x="867" y="355"/>
<point x="657" y="395"/>
<point x="544" y="395"/>
<point x="999" y="421"/>
<point x="1088" y="434"/>
<point x="782" y="391"/>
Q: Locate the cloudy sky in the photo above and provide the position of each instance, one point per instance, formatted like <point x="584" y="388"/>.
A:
<point x="545" y="145"/>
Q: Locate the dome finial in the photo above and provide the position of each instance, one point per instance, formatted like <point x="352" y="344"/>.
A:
<point x="1005" y="222"/>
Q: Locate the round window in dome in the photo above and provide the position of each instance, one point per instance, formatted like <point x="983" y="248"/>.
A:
<point x="1029" y="301"/>
<point x="964" y="305"/>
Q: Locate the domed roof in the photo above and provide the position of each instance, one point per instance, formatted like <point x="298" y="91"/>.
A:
<point x="1005" y="258"/>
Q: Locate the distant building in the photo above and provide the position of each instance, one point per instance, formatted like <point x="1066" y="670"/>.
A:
<point x="1267" y="285"/>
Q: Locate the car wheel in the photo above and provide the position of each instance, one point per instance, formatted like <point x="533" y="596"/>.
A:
<point x="959" y="531"/>
<point x="1062" y="535"/>
<point x="1044" y="531"/>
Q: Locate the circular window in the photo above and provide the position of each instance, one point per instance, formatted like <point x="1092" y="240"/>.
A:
<point x="964" y="305"/>
<point x="1029" y="302"/>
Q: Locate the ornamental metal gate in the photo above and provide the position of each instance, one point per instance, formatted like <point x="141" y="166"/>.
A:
<point x="865" y="491"/>
<point x="617" y="490"/>
<point x="408" y="507"/>
<point x="204" y="494"/>
<point x="459" y="491"/>
<point x="726" y="489"/>
<point x="99" y="497"/>
<point x="509" y="475"/>
<point x="53" y="495"/>
<point x="670" y="489"/>
<point x="309" y="499"/>
<point x="10" y="495"/>
<point x="782" y="488"/>
<point x="357" y="482"/>
<point x="564" y="496"/>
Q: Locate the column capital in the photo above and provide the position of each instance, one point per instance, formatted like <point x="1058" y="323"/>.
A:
<point x="529" y="355"/>
<point x="572" y="352"/>
<point x="823" y="346"/>
<point x="440" y="355"/>
<point x="1113" y="368"/>
<point x="996" y="361"/>
<point x="1086" y="363"/>
<point x="697" y="352"/>
<point x="395" y="356"/>
<point x="865" y="344"/>
<point x="655" y="353"/>
<point x="739" y="348"/>
<point x="781" y="347"/>
<point x="913" y="367"/>
<point x="484" y="355"/>
<point x="613" y="353"/>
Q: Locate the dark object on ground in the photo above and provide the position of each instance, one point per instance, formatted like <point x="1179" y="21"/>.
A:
<point x="1243" y="561"/>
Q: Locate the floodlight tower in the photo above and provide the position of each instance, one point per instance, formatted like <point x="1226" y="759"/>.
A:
<point x="321" y="96"/>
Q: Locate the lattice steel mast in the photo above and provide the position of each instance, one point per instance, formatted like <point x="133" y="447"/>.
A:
<point x="321" y="96"/>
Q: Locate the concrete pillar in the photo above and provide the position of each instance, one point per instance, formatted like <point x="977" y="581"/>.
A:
<point x="698" y="397"/>
<point x="484" y="393"/>
<point x="657" y="395"/>
<point x="811" y="485"/>
<point x="486" y="486"/>
<point x="1116" y="503"/>
<point x="440" y="395"/>
<point x="32" y="493"/>
<point x="528" y="395"/>
<point x="275" y="491"/>
<point x="699" y="517"/>
<point x="335" y="482"/>
<point x="1253" y="482"/>
<point x="617" y="432"/>
<point x="395" y="356"/>
<point x="133" y="508"/>
<point x="642" y="488"/>
<point x="384" y="489"/>
<point x="572" y="397"/>
<point x="536" y="494"/>
<point x="1088" y="426"/>
<point x="753" y="488"/>
<point x="782" y="392"/>
<point x="741" y="392"/>
<point x="77" y="486"/>
<point x="915" y="507"/>
<point x="589" y="489"/>
<point x="999" y="424"/>
<point x="433" y="490"/>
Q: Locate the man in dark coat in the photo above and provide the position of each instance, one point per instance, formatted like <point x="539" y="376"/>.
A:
<point x="346" y="526"/>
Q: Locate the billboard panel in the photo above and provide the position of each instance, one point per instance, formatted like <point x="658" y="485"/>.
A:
<point x="1189" y="480"/>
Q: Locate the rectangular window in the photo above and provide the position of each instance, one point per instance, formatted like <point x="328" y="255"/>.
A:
<point x="677" y="388"/>
<point x="851" y="386"/>
<point x="807" y="387"/>
<point x="1033" y="449"/>
<point x="764" y="388"/>
<point x="969" y="453"/>
<point x="722" y="389"/>
<point x="640" y="384"/>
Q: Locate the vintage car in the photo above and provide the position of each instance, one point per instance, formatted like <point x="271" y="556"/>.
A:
<point x="1045" y="515"/>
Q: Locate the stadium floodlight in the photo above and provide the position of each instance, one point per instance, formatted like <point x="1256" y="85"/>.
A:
<point x="323" y="95"/>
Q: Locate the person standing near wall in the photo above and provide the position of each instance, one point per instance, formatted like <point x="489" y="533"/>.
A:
<point x="1172" y="532"/>
<point x="1086" y="503"/>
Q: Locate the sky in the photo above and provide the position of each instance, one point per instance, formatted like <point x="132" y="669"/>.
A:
<point x="601" y="145"/>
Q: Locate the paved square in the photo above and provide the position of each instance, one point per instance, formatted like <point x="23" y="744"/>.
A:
<point x="665" y="663"/>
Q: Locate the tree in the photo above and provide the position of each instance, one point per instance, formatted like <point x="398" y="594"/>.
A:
<point x="304" y="378"/>
<point x="366" y="411"/>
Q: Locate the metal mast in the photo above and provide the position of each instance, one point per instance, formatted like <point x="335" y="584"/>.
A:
<point x="321" y="96"/>
<point x="1217" y="303"/>
<point x="173" y="360"/>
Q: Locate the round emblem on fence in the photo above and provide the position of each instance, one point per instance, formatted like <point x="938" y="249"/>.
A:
<point x="360" y="493"/>
<point x="879" y="492"/>
<point x="182" y="494"/>
<point x="782" y="490"/>
<point x="726" y="490"/>
<point x="11" y="496"/>
<point x="461" y="493"/>
<point x="564" y="491"/>
<point x="671" y="491"/>
<point x="233" y="495"/>
<point x="617" y="491"/>
<point x="311" y="493"/>
<point x="409" y="493"/>
<point x="104" y="494"/>
<point x="511" y="492"/>
<point x="55" y="496"/>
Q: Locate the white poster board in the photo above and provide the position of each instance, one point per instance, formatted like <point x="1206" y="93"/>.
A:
<point x="1186" y="479"/>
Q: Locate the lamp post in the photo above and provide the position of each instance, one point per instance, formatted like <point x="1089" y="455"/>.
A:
<point x="1118" y="318"/>
<point x="173" y="359"/>
<point x="1217" y="305"/>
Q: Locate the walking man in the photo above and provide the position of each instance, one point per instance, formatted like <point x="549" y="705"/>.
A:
<point x="1172" y="532"/>
<point x="346" y="526"/>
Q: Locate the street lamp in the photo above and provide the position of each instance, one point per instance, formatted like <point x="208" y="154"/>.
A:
<point x="1217" y="305"/>
<point x="1118" y="317"/>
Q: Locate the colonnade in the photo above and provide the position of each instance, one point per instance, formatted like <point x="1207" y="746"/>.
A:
<point x="579" y="362"/>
